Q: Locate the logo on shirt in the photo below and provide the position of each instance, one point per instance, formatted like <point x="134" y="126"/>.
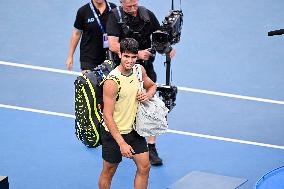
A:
<point x="90" y="20"/>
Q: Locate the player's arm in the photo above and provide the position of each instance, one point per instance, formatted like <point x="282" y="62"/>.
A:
<point x="109" y="96"/>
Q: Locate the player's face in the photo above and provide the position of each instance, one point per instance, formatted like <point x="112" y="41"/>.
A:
<point x="130" y="6"/>
<point x="128" y="60"/>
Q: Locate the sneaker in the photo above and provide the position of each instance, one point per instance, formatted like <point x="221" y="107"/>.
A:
<point x="154" y="157"/>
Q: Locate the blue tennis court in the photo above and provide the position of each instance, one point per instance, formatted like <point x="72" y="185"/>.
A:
<point x="230" y="104"/>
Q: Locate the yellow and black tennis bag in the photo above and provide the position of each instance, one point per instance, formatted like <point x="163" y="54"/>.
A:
<point x="89" y="104"/>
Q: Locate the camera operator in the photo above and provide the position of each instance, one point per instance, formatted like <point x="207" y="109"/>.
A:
<point x="133" y="21"/>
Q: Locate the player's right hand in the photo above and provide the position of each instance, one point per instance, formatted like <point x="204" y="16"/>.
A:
<point x="69" y="63"/>
<point x="126" y="150"/>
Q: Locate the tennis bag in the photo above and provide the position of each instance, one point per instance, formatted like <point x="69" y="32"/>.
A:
<point x="89" y="104"/>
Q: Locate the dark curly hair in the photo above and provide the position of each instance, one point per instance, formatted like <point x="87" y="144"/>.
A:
<point x="129" y="45"/>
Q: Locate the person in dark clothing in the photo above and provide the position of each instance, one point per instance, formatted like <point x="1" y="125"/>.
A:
<point x="90" y="27"/>
<point x="133" y="21"/>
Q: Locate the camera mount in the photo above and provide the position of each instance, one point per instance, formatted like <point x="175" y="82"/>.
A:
<point x="162" y="39"/>
<point x="168" y="92"/>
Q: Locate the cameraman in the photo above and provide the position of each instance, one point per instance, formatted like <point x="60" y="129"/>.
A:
<point x="133" y="21"/>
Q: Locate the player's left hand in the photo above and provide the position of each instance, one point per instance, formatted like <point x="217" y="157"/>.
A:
<point x="142" y="96"/>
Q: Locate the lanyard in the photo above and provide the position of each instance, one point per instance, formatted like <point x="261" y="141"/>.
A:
<point x="97" y="17"/>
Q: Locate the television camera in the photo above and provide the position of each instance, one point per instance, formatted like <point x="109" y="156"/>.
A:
<point x="162" y="40"/>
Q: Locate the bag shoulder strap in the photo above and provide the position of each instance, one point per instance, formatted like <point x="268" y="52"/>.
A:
<point x="143" y="13"/>
<point x="118" y="13"/>
<point x="138" y="71"/>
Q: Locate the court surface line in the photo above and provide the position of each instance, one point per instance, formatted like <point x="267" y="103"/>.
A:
<point x="179" y="88"/>
<point x="38" y="68"/>
<point x="169" y="130"/>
